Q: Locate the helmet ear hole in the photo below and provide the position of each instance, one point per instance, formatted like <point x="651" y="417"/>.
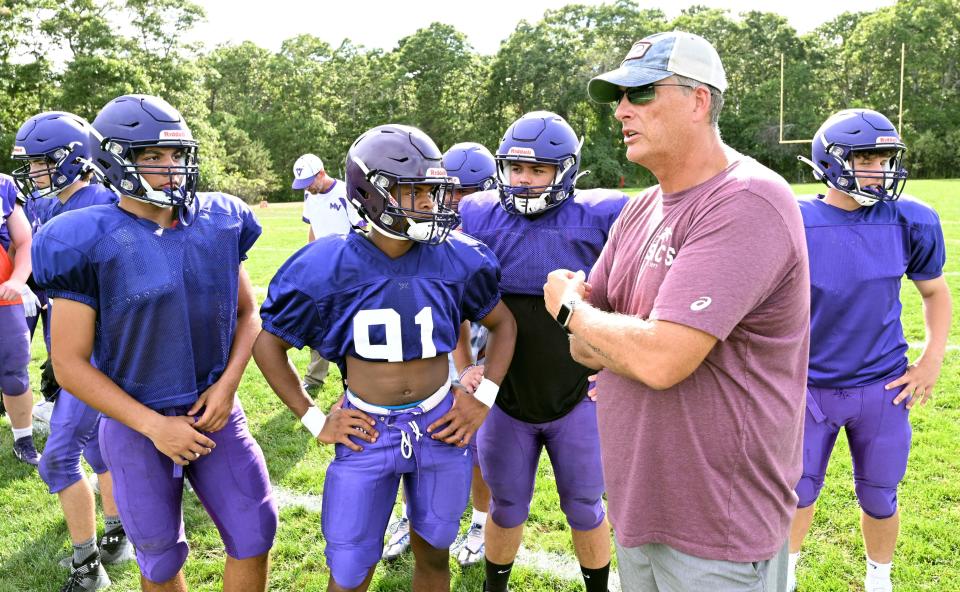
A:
<point x="824" y="164"/>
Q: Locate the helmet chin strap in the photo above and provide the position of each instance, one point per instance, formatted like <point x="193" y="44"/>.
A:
<point x="157" y="198"/>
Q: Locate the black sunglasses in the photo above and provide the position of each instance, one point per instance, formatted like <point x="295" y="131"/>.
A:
<point x="639" y="95"/>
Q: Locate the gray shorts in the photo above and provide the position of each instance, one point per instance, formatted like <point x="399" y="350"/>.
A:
<point x="661" y="568"/>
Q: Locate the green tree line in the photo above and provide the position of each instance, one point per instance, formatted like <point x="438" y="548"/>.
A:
<point x="255" y="110"/>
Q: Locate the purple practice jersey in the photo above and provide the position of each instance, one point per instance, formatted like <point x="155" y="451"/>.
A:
<point x="343" y="296"/>
<point x="544" y="382"/>
<point x="856" y="262"/>
<point x="95" y="194"/>
<point x="569" y="236"/>
<point x="38" y="210"/>
<point x="166" y="298"/>
<point x="8" y="199"/>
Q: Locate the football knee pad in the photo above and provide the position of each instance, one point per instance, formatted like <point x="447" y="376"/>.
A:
<point x="808" y="490"/>
<point x="14" y="382"/>
<point x="877" y="502"/>
<point x="583" y="513"/>
<point x="161" y="564"/>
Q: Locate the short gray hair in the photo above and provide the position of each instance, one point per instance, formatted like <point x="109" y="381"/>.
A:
<point x="716" y="97"/>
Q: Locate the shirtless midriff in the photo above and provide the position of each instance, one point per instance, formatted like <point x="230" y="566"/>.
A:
<point x="396" y="383"/>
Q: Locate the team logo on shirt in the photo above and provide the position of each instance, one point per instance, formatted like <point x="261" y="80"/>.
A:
<point x="660" y="250"/>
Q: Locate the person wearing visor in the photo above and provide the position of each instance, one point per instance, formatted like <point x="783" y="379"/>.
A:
<point x="153" y="322"/>
<point x="862" y="238"/>
<point x="536" y="221"/>
<point x="386" y="305"/>
<point x="697" y="317"/>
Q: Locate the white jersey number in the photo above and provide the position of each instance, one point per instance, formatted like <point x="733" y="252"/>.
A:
<point x="392" y="349"/>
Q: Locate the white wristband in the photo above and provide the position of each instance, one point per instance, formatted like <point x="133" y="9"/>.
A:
<point x="313" y="420"/>
<point x="486" y="393"/>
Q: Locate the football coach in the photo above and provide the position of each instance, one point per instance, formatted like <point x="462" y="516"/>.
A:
<point x="697" y="314"/>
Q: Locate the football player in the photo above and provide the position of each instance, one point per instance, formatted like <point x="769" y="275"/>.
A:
<point x="863" y="237"/>
<point x="473" y="169"/>
<point x="534" y="223"/>
<point x="153" y="290"/>
<point x="17" y="303"/>
<point x="56" y="150"/>
<point x="387" y="306"/>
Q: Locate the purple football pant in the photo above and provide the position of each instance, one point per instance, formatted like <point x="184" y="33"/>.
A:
<point x="879" y="435"/>
<point x="14" y="350"/>
<point x="73" y="431"/>
<point x="510" y="452"/>
<point x="231" y="483"/>
<point x="361" y="487"/>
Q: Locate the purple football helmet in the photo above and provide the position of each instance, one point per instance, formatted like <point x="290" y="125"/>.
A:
<point x="473" y="168"/>
<point x="131" y="123"/>
<point x="63" y="142"/>
<point x="384" y="165"/>
<point x="538" y="137"/>
<point x="858" y="130"/>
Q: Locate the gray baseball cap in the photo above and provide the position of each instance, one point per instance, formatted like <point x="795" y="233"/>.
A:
<point x="660" y="56"/>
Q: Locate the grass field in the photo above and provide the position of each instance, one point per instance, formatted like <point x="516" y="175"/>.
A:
<point x="33" y="536"/>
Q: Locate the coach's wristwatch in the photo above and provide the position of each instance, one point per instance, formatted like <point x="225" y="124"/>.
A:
<point x="567" y="306"/>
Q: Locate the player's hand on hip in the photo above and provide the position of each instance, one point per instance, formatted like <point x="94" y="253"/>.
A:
<point x="178" y="439"/>
<point x="560" y="283"/>
<point x="462" y="421"/>
<point x="592" y="391"/>
<point x="217" y="404"/>
<point x="918" y="382"/>
<point x="343" y="423"/>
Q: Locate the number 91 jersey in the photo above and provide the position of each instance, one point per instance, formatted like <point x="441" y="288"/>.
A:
<point x="343" y="296"/>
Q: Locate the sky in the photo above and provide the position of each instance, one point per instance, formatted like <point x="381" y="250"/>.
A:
<point x="380" y="24"/>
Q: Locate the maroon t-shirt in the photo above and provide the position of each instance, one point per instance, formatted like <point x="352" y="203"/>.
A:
<point x="709" y="465"/>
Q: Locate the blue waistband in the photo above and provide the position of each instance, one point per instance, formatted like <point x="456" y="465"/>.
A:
<point x="404" y="406"/>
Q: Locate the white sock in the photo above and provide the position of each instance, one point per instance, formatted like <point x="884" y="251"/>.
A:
<point x="878" y="572"/>
<point x="21" y="432"/>
<point x="479" y="517"/>
<point x="403" y="510"/>
<point x="792" y="560"/>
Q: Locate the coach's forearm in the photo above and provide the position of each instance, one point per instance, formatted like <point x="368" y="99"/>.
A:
<point x="657" y="353"/>
<point x="585" y="355"/>
<point x="270" y="354"/>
